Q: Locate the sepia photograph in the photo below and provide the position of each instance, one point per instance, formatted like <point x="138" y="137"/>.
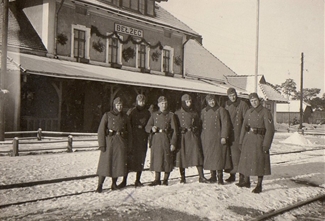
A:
<point x="155" y="110"/>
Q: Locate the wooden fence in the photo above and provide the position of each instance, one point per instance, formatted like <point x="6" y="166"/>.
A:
<point x="39" y="142"/>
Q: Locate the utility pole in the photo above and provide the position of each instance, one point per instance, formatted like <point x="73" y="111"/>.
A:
<point x="3" y="72"/>
<point x="301" y="89"/>
<point x="257" y="41"/>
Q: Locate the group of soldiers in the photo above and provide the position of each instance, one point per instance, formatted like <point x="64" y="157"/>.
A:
<point x="234" y="139"/>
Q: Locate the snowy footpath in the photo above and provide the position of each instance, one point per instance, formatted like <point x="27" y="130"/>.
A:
<point x="298" y="174"/>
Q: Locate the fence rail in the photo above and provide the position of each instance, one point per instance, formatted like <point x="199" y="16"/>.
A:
<point x="33" y="143"/>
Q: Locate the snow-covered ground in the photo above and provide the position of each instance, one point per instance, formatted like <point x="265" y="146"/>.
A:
<point x="288" y="184"/>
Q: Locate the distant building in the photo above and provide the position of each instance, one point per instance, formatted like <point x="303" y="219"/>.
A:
<point x="291" y="112"/>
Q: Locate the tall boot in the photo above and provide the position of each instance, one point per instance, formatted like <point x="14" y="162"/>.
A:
<point x="220" y="177"/>
<point x="101" y="180"/>
<point x="231" y="178"/>
<point x="213" y="178"/>
<point x="114" y="186"/>
<point x="166" y="176"/>
<point x="182" y="172"/>
<point x="157" y="180"/>
<point x="241" y="179"/>
<point x="137" y="181"/>
<point x="246" y="183"/>
<point x="202" y="179"/>
<point x="258" y="187"/>
<point x="123" y="183"/>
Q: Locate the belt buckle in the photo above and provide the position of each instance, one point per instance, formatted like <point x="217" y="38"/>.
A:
<point x="140" y="126"/>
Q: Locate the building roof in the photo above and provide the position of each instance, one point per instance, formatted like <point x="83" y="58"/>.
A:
<point x="163" y="17"/>
<point x="21" y="33"/>
<point x="201" y="63"/>
<point x="264" y="89"/>
<point x="293" y="106"/>
<point x="32" y="64"/>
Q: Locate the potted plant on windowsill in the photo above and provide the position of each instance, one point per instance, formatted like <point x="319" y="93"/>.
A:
<point x="116" y="65"/>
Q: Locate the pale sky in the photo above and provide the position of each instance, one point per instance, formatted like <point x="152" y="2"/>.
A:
<point x="286" y="29"/>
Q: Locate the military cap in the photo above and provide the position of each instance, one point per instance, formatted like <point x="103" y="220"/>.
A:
<point x="253" y="95"/>
<point x="231" y="90"/>
<point x="117" y="100"/>
<point x="162" y="99"/>
<point x="186" y="97"/>
<point x="140" y="97"/>
<point x="210" y="97"/>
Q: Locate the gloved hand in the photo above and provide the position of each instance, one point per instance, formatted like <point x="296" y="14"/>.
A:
<point x="172" y="148"/>
<point x="103" y="149"/>
<point x="154" y="129"/>
<point x="223" y="141"/>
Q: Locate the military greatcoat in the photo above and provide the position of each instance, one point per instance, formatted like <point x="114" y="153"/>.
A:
<point x="137" y="153"/>
<point x="161" y="159"/>
<point x="253" y="160"/>
<point x="215" y="125"/>
<point x="114" y="132"/>
<point x="190" y="150"/>
<point x="237" y="111"/>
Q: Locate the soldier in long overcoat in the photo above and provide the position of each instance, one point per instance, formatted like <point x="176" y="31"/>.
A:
<point x="189" y="145"/>
<point x="163" y="126"/>
<point x="237" y="109"/>
<point x="138" y="117"/>
<point x="255" y="141"/>
<point x="215" y="131"/>
<point x="114" y="135"/>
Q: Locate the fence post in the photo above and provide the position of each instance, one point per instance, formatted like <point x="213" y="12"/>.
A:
<point x="39" y="134"/>
<point x="70" y="139"/>
<point x="15" y="147"/>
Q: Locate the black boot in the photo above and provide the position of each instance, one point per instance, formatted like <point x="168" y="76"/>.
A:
<point x="231" y="178"/>
<point x="114" y="186"/>
<point x="258" y="187"/>
<point x="157" y="180"/>
<point x="202" y="179"/>
<point x="213" y="178"/>
<point x="182" y="172"/>
<point x="101" y="180"/>
<point x="241" y="179"/>
<point x="246" y="183"/>
<point x="123" y="183"/>
<point x="220" y="177"/>
<point x="137" y="181"/>
<point x="166" y="176"/>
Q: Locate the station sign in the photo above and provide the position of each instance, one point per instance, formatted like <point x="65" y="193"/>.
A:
<point x="128" y="30"/>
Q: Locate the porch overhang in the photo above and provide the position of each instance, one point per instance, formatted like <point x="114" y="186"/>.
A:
<point x="50" y="67"/>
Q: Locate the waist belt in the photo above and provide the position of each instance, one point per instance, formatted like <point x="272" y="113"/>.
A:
<point x="139" y="126"/>
<point x="162" y="131"/>
<point x="114" y="132"/>
<point x="255" y="130"/>
<point x="185" y="129"/>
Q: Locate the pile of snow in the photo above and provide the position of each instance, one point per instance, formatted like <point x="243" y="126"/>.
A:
<point x="297" y="139"/>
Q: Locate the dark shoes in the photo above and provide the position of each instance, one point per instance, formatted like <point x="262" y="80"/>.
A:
<point x="244" y="184"/>
<point x="203" y="180"/>
<point x="220" y="182"/>
<point x="114" y="187"/>
<point x="257" y="189"/>
<point x="212" y="180"/>
<point x="231" y="178"/>
<point x="155" y="183"/>
<point x="138" y="184"/>
<point x="121" y="185"/>
<point x="165" y="183"/>
<point x="183" y="180"/>
<point x="99" y="189"/>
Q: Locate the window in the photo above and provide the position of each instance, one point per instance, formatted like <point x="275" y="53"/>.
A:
<point x="150" y="7"/>
<point x="167" y="59"/>
<point x="142" y="6"/>
<point x="142" y="56"/>
<point x="114" y="50"/>
<point x="80" y="41"/>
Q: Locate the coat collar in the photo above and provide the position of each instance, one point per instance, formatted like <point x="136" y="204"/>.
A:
<point x="236" y="103"/>
<point x="257" y="109"/>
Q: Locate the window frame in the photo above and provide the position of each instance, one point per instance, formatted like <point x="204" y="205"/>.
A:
<point x="87" y="39"/>
<point x="171" y="59"/>
<point x="108" y="57"/>
<point x="146" y="57"/>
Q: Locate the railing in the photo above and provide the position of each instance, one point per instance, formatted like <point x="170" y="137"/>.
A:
<point x="39" y="142"/>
